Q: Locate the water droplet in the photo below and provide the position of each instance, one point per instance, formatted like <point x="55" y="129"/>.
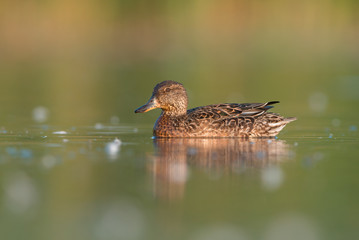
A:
<point x="272" y="177"/>
<point x="11" y="151"/>
<point x="60" y="132"/>
<point x="40" y="114"/>
<point x="121" y="220"/>
<point x="336" y="122"/>
<point x="3" y="130"/>
<point x="113" y="148"/>
<point x="292" y="227"/>
<point x="117" y="141"/>
<point x="48" y="161"/>
<point x="20" y="192"/>
<point x="223" y="232"/>
<point x="317" y="156"/>
<point x="26" y="153"/>
<point x="353" y="128"/>
<point x="115" y="120"/>
<point x="99" y="126"/>
<point x="318" y="102"/>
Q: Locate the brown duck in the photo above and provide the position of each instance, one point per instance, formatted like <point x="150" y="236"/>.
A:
<point x="220" y="120"/>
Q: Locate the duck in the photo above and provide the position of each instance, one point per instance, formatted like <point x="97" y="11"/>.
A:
<point x="245" y="120"/>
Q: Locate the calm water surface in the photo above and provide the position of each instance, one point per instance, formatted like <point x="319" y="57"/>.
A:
<point x="116" y="182"/>
<point x="70" y="64"/>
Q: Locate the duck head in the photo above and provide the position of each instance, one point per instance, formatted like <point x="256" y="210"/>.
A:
<point x="170" y="96"/>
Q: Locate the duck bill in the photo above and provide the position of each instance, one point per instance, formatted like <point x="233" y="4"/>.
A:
<point x="151" y="104"/>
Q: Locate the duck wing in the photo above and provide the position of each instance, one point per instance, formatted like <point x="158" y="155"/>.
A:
<point x="232" y="119"/>
<point x="229" y="110"/>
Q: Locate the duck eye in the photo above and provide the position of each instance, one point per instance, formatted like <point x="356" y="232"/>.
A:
<point x="167" y="89"/>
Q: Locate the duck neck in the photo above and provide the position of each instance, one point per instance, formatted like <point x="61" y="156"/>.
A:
<point x="174" y="112"/>
<point x="175" y="109"/>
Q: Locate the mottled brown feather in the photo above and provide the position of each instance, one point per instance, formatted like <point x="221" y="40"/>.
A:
<point x="219" y="120"/>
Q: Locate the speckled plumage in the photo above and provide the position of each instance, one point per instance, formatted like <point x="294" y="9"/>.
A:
<point x="220" y="120"/>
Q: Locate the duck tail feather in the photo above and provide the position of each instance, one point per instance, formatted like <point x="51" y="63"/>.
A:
<point x="272" y="102"/>
<point x="289" y="119"/>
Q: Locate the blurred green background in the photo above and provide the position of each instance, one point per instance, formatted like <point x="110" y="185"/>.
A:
<point x="73" y="72"/>
<point x="87" y="61"/>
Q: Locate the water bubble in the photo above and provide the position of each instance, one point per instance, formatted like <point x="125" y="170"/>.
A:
<point x="40" y="114"/>
<point x="48" y="161"/>
<point x="99" y="126"/>
<point x="26" y="153"/>
<point x="310" y="161"/>
<point x="60" y="132"/>
<point x="220" y="232"/>
<point x="3" y="130"/>
<point x="71" y="155"/>
<point x="336" y="122"/>
<point x="12" y="151"/>
<point x="272" y="177"/>
<point x="353" y="128"/>
<point x="113" y="148"/>
<point x="317" y="156"/>
<point x="292" y="227"/>
<point x="318" y="102"/>
<point x="121" y="220"/>
<point x="82" y="150"/>
<point x="114" y="120"/>
<point x="20" y="192"/>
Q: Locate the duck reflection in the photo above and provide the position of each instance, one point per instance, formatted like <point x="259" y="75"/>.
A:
<point x="174" y="156"/>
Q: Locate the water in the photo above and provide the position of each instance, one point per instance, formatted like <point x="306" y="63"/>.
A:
<point x="71" y="74"/>
<point x="115" y="182"/>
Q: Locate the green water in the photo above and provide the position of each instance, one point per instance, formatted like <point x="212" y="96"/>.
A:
<point x="115" y="182"/>
<point x="77" y="163"/>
